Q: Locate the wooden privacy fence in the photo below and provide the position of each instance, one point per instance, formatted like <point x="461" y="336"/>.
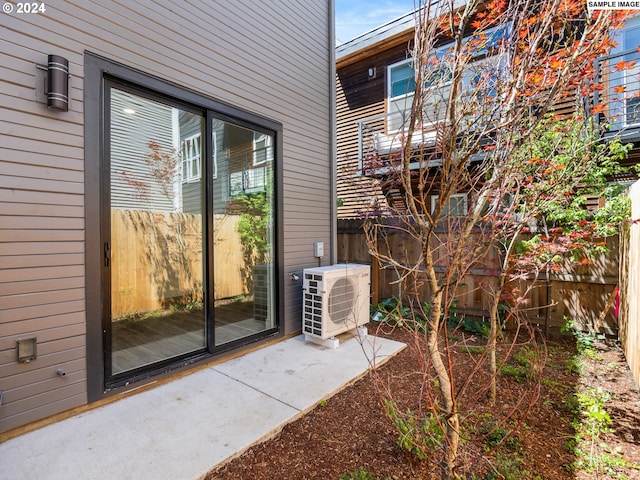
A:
<point x="581" y="295"/>
<point x="157" y="260"/>
<point x="630" y="287"/>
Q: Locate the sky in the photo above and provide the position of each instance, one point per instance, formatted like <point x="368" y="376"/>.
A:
<point x="354" y="17"/>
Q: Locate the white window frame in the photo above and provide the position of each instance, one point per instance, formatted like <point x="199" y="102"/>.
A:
<point x="394" y="101"/>
<point x="389" y="79"/>
<point x="479" y="59"/>
<point x="191" y="154"/>
<point x="626" y="76"/>
<point x="214" y="153"/>
<point x="446" y="210"/>
<point x="262" y="142"/>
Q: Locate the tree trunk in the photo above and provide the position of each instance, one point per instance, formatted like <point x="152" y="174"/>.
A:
<point x="493" y="340"/>
<point x="452" y="426"/>
<point x="451" y="451"/>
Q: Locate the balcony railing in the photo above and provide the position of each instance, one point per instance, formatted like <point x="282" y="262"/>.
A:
<point x="382" y="138"/>
<point x="617" y="103"/>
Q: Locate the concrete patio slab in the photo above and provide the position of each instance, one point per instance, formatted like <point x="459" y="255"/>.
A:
<point x="184" y="428"/>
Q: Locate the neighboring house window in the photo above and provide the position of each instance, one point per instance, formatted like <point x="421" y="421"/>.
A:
<point x="251" y="180"/>
<point x="236" y="183"/>
<point x="401" y="88"/>
<point x="191" y="158"/>
<point x="625" y="82"/>
<point x="262" y="148"/>
<point x="456" y="206"/>
<point x="252" y="176"/>
<point x="256" y="179"/>
<point x="437" y="79"/>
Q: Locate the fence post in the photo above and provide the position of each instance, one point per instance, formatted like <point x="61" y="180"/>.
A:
<point x="375" y="280"/>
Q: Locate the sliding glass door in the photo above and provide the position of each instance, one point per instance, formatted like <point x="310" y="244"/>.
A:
<point x="155" y="250"/>
<point x="243" y="242"/>
<point x="188" y="241"/>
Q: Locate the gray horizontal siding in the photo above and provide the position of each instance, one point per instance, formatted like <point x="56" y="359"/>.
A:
<point x="34" y="324"/>
<point x="42" y="298"/>
<point x="269" y="57"/>
<point x="13" y="195"/>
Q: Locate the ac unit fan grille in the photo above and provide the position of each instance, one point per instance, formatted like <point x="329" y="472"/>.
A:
<point x="341" y="301"/>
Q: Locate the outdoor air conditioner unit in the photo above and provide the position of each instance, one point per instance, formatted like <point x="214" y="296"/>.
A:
<point x="335" y="300"/>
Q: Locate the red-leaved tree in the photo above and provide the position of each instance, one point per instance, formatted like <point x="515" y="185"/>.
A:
<point x="500" y="112"/>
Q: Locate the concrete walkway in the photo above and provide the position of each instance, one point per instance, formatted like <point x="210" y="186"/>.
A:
<point x="182" y="429"/>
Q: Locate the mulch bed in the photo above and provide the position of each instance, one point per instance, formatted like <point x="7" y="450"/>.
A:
<point x="350" y="431"/>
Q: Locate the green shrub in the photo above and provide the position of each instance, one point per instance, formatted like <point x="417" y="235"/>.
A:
<point x="516" y="371"/>
<point x="508" y="467"/>
<point x="417" y="434"/>
<point x="360" y="474"/>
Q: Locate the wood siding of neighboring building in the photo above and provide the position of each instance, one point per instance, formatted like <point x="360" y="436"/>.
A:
<point x="272" y="58"/>
<point x="360" y="96"/>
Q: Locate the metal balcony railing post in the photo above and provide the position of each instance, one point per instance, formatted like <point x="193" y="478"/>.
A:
<point x="360" y="144"/>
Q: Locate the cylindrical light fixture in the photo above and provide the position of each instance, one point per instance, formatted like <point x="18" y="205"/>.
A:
<point x="58" y="83"/>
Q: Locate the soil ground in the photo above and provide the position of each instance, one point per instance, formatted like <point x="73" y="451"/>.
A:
<point x="350" y="431"/>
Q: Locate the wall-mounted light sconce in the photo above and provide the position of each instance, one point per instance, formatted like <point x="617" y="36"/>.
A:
<point x="372" y="72"/>
<point x="58" y="83"/>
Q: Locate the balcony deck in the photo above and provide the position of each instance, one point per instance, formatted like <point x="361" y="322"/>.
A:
<point x="381" y="142"/>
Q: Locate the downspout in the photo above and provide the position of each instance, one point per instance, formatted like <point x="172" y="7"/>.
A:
<point x="333" y="208"/>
